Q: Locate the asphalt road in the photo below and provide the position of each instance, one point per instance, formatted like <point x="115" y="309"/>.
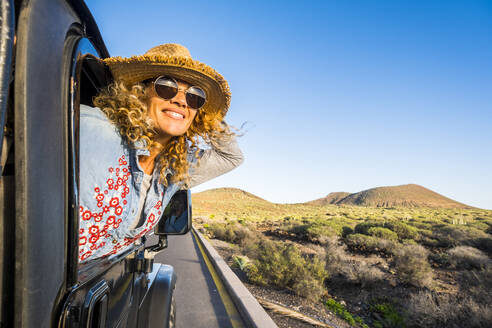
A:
<point x="198" y="303"/>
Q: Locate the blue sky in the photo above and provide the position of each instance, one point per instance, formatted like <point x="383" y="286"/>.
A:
<point x="338" y="95"/>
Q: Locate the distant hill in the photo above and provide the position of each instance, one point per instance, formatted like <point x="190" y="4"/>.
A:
<point x="227" y="194"/>
<point x="239" y="203"/>
<point x="331" y="198"/>
<point x="410" y="195"/>
<point x="235" y="202"/>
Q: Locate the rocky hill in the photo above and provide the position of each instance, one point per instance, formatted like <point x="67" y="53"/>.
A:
<point x="331" y="198"/>
<point x="239" y="201"/>
<point x="410" y="195"/>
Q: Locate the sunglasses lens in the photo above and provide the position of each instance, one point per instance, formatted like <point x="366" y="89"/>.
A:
<point x="166" y="87"/>
<point x="195" y="97"/>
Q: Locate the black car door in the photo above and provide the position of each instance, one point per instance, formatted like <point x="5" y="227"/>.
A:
<point x="56" y="68"/>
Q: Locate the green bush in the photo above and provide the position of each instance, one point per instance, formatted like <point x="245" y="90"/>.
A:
<point x="241" y="262"/>
<point x="403" y="230"/>
<point x="220" y="231"/>
<point x="234" y="233"/>
<point x="282" y="265"/>
<point x="384" y="233"/>
<point x="346" y="231"/>
<point x="441" y="259"/>
<point x="484" y="243"/>
<point x="363" y="228"/>
<point x="313" y="231"/>
<point x="342" y="312"/>
<point x="451" y="236"/>
<point x="390" y="317"/>
<point x="370" y="244"/>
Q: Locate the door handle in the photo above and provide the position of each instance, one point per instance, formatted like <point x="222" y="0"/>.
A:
<point x="96" y="306"/>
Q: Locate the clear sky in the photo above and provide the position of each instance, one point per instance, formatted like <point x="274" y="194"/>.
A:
<point x="338" y="95"/>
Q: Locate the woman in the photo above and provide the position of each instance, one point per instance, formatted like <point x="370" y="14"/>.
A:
<point x="144" y="141"/>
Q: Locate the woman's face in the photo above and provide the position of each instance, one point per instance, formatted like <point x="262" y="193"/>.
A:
<point x="171" y="117"/>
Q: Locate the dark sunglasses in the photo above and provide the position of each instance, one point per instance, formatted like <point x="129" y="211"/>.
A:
<point x="167" y="88"/>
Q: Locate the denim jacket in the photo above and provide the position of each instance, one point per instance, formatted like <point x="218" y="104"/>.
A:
<point x="110" y="182"/>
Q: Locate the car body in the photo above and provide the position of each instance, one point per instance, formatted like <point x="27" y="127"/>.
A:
<point x="49" y="52"/>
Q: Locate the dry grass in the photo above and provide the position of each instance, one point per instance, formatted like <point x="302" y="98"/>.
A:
<point x="467" y="257"/>
<point x="427" y="309"/>
<point x="340" y="264"/>
<point x="412" y="266"/>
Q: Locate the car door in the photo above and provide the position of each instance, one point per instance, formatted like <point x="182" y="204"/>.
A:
<point x="56" y="67"/>
<point x="7" y="182"/>
<point x="103" y="292"/>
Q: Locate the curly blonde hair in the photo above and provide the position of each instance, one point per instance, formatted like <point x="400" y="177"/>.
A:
<point x="126" y="107"/>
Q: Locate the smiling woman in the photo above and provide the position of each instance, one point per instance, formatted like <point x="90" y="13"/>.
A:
<point x="141" y="143"/>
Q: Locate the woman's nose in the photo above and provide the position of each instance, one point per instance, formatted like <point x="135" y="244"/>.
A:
<point x="179" y="99"/>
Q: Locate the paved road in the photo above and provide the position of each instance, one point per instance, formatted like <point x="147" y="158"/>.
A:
<point x="198" y="302"/>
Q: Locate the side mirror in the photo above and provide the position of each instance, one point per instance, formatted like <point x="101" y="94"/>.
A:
<point x="176" y="219"/>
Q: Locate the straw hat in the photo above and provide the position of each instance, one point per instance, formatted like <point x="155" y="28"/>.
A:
<point x="175" y="60"/>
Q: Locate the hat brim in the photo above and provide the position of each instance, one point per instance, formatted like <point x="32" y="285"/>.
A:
<point x="139" y="68"/>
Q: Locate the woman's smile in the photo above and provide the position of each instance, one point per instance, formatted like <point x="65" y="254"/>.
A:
<point x="174" y="113"/>
<point x="171" y="117"/>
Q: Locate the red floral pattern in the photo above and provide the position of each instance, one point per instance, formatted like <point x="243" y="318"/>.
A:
<point x="99" y="225"/>
<point x="105" y="219"/>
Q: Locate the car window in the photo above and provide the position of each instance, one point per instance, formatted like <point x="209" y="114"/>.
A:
<point x="88" y="75"/>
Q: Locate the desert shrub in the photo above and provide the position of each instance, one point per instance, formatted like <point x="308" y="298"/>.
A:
<point x="389" y="316"/>
<point x="451" y="236"/>
<point x="335" y="256"/>
<point x="221" y="231"/>
<point x="282" y="265"/>
<point x="241" y="262"/>
<point x="403" y="230"/>
<point x="363" y="228"/>
<point x="480" y="225"/>
<point x="440" y="259"/>
<point x="233" y="232"/>
<point x="478" y="284"/>
<point x="317" y="233"/>
<point x="341" y="311"/>
<point x="360" y="272"/>
<point x="467" y="257"/>
<point x="426" y="309"/>
<point x="245" y="237"/>
<point x="381" y="232"/>
<point x="370" y="244"/>
<point x="314" y="231"/>
<point x="412" y="266"/>
<point x="346" y="231"/>
<point x="484" y="243"/>
<point x="429" y="242"/>
<point x="339" y="264"/>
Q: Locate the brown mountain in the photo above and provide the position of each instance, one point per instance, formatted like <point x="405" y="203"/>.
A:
<point x="331" y="198"/>
<point x="236" y="202"/>
<point x="410" y="195"/>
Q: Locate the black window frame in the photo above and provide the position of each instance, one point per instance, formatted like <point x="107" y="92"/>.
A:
<point x="88" y="74"/>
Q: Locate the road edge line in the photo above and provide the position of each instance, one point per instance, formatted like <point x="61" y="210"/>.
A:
<point x="235" y="317"/>
<point x="249" y="308"/>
